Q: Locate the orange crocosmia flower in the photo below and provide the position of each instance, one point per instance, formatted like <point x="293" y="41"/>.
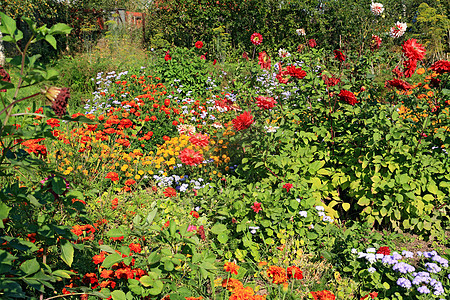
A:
<point x="231" y="268"/>
<point x="278" y="274"/>
<point x="242" y="293"/>
<point x="231" y="284"/>
<point x="323" y="295"/>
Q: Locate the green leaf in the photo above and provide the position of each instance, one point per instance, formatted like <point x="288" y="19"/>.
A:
<point x="63" y="273"/>
<point x="8" y="24"/>
<point x="147" y="280"/>
<point x="58" y="185"/>
<point x="51" y="40"/>
<point x="60" y="28"/>
<point x="207" y="265"/>
<point x="218" y="228"/>
<point x="111" y="260"/>
<point x="222" y="237"/>
<point x="4" y="212"/>
<point x="118" y="295"/>
<point x="346" y="206"/>
<point x="30" y="266"/>
<point x="67" y="252"/>
<point x="157" y="288"/>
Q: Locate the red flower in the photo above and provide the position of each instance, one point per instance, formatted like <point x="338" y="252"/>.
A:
<point x="190" y="157"/>
<point x="264" y="60"/>
<point x="114" y="203"/>
<point x="203" y="56"/>
<point x="413" y="50"/>
<point x="200" y="140"/>
<point x="107" y="274"/>
<point x="214" y="62"/>
<point x="256" y="39"/>
<point x="323" y="295"/>
<point x="296" y="72"/>
<point x="170" y="192"/>
<point x="199" y="44"/>
<point x="399" y="84"/>
<point x="90" y="278"/>
<point x="167" y="57"/>
<point x="245" y="55"/>
<point x="288" y="187"/>
<point x="53" y="122"/>
<point x="375" y="43"/>
<point x="265" y="102"/>
<point x="135" y="247"/>
<point x="410" y="67"/>
<point x="113" y="176"/>
<point x="283" y="76"/>
<point x="339" y="55"/>
<point x="348" y="97"/>
<point x="278" y="274"/>
<point x="384" y="250"/>
<point x="397" y="72"/>
<point x="330" y="81"/>
<point x="243" y="121"/>
<point x="4" y="76"/>
<point x="194" y="214"/>
<point x="441" y="66"/>
<point x="256" y="207"/>
<point x="372" y="295"/>
<point x="294" y="272"/>
<point x="312" y="43"/>
<point x="231" y="268"/>
<point x="130" y="182"/>
<point x="99" y="258"/>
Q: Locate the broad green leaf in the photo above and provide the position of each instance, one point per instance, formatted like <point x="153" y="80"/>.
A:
<point x="111" y="260"/>
<point x="346" y="206"/>
<point x="60" y="28"/>
<point x="30" y="266"/>
<point x="8" y="24"/>
<point x="218" y="228"/>
<point x="118" y="295"/>
<point x="4" y="212"/>
<point x="157" y="288"/>
<point x="67" y="252"/>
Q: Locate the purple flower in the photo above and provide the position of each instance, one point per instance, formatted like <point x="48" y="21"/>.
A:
<point x="423" y="290"/>
<point x="403" y="268"/>
<point x="432" y="268"/>
<point x="371" y="269"/>
<point x="440" y="260"/>
<point x="404" y="283"/>
<point x="407" y="254"/>
<point x="389" y="259"/>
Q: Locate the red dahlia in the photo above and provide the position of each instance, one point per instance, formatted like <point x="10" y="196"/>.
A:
<point x="413" y="50"/>
<point x="296" y="72"/>
<point x="410" y="67"/>
<point x="198" y="44"/>
<point x="200" y="140"/>
<point x="441" y="66"/>
<point x="265" y="102"/>
<point x="243" y="121"/>
<point x="190" y="157"/>
<point x="375" y="43"/>
<point x="283" y="77"/>
<point x="348" y="97"/>
<point x="256" y="39"/>
<point x="264" y="60"/>
<point x="330" y="81"/>
<point x="399" y="84"/>
<point x="339" y="55"/>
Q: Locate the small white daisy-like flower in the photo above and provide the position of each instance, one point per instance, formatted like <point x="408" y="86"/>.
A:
<point x="319" y="208"/>
<point x="376" y="8"/>
<point x="283" y="53"/>
<point x="301" y="31"/>
<point x="270" y="129"/>
<point x="186" y="129"/>
<point x="398" y="30"/>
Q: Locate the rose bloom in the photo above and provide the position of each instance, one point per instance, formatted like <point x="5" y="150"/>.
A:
<point x="441" y="66"/>
<point x="375" y="43"/>
<point x="278" y="274"/>
<point x="347" y="97"/>
<point x="264" y="60"/>
<point x="339" y="55"/>
<point x="376" y="8"/>
<point x="323" y="295"/>
<point x="199" y="44"/>
<point x="413" y="50"/>
<point x="265" y="102"/>
<point x="243" y="121"/>
<point x="256" y="39"/>
<point x="312" y="43"/>
<point x="231" y="268"/>
<point x="398" y="30"/>
<point x="190" y="157"/>
<point x="296" y="72"/>
<point x="200" y="140"/>
<point x="399" y="84"/>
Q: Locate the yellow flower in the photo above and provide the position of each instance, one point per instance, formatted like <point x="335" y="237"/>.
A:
<point x="140" y="172"/>
<point x="137" y="177"/>
<point x="124" y="168"/>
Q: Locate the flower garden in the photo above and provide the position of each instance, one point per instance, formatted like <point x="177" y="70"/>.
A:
<point x="289" y="173"/>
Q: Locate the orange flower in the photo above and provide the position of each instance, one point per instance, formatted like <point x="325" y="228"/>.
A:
<point x="231" y="267"/>
<point x="170" y="192"/>
<point x="294" y="272"/>
<point x="323" y="295"/>
<point x="135" y="247"/>
<point x="130" y="182"/>
<point x="242" y="293"/>
<point x="231" y="284"/>
<point x="278" y="274"/>
<point x="113" y="176"/>
<point x="193" y="298"/>
<point x="53" y="122"/>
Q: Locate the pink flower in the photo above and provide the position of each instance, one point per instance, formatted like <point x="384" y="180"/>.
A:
<point x="192" y="228"/>
<point x="288" y="186"/>
<point x="256" y="207"/>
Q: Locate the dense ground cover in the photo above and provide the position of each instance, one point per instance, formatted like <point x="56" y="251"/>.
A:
<point x="286" y="176"/>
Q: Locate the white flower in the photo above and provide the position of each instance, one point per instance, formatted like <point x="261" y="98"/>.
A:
<point x="327" y="219"/>
<point x="320" y="208"/>
<point x="398" y="30"/>
<point x="303" y="213"/>
<point x="371" y="258"/>
<point x="354" y="251"/>
<point x="321" y="214"/>
<point x="376" y="8"/>
<point x="186" y="129"/>
<point x="301" y="31"/>
<point x="371" y="250"/>
<point x="270" y="129"/>
<point x="283" y="53"/>
<point x="253" y="229"/>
